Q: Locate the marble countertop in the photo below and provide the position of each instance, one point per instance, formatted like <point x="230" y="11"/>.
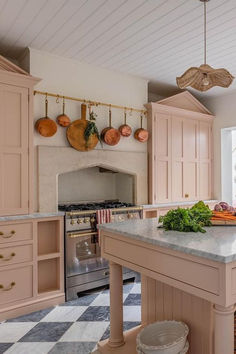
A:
<point x="31" y="216"/>
<point x="217" y="244"/>
<point x="173" y="204"/>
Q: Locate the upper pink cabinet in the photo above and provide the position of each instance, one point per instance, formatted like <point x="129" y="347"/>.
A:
<point x="180" y="153"/>
<point x="16" y="148"/>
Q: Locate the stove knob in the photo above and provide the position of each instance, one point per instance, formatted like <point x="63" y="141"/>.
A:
<point x="72" y="221"/>
<point x="130" y="216"/>
<point x="86" y="220"/>
<point x="92" y="219"/>
<point x="79" y="221"/>
<point x="120" y="217"/>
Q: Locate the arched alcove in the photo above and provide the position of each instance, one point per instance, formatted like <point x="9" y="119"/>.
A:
<point x="55" y="161"/>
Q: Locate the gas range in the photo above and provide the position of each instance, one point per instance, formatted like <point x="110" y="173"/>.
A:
<point x="85" y="268"/>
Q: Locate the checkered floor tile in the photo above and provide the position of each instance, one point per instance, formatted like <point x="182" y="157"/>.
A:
<point x="73" y="327"/>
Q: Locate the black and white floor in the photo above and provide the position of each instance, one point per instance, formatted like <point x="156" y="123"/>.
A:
<point x="73" y="327"/>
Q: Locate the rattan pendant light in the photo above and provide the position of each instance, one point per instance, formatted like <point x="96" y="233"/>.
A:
<point x="204" y="77"/>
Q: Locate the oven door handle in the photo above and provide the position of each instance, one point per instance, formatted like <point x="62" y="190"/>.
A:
<point x="74" y="235"/>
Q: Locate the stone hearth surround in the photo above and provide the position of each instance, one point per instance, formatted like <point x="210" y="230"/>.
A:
<point x="53" y="161"/>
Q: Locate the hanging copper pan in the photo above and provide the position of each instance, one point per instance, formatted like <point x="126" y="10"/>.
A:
<point x="46" y="126"/>
<point x="109" y="135"/>
<point x="141" y="134"/>
<point x="125" y="129"/>
<point x="63" y="120"/>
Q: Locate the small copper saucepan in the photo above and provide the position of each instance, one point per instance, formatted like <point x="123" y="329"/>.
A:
<point x="110" y="135"/>
<point x="125" y="129"/>
<point x="141" y="134"/>
<point x="63" y="120"/>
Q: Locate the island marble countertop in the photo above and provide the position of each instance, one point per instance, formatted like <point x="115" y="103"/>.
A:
<point x="217" y="244"/>
<point x="31" y="216"/>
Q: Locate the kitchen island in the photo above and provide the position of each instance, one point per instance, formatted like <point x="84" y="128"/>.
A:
<point x="185" y="276"/>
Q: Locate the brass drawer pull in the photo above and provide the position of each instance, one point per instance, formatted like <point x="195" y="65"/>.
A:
<point x="74" y="235"/>
<point x="7" y="258"/>
<point x="7" y="236"/>
<point x="8" y="288"/>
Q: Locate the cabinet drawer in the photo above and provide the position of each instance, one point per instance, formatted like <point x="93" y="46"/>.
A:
<point x="16" y="232"/>
<point x="17" y="254"/>
<point x="16" y="284"/>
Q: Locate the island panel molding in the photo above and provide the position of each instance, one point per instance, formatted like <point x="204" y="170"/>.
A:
<point x="180" y="150"/>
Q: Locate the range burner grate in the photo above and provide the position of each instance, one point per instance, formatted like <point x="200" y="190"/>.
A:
<point x="94" y="206"/>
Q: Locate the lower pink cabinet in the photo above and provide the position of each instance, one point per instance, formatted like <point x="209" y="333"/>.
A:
<point x="31" y="265"/>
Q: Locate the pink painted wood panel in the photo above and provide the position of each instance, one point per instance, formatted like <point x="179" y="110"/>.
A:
<point x="14" y="232"/>
<point x="206" y="277"/>
<point x="162" y="158"/>
<point x="14" y="145"/>
<point x="16" y="254"/>
<point x="173" y="304"/>
<point x="23" y="288"/>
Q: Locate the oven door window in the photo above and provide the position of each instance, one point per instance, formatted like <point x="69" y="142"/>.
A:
<point x="85" y="248"/>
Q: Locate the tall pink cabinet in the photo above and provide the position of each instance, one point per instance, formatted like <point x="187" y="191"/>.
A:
<point x="180" y="150"/>
<point x="31" y="245"/>
<point x="16" y="146"/>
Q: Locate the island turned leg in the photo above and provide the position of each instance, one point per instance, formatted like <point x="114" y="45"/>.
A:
<point x="224" y="329"/>
<point x="116" y="306"/>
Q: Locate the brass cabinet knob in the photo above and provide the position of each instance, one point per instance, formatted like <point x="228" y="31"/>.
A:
<point x="186" y="195"/>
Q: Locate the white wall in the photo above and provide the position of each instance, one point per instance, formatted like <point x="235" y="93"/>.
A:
<point x="224" y="108"/>
<point x="72" y="78"/>
<point x="88" y="185"/>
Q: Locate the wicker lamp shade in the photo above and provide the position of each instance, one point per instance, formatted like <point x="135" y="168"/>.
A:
<point x="204" y="78"/>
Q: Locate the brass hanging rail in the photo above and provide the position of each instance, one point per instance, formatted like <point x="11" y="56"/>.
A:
<point x="92" y="103"/>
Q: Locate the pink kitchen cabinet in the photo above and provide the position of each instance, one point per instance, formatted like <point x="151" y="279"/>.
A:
<point x="180" y="153"/>
<point x="16" y="147"/>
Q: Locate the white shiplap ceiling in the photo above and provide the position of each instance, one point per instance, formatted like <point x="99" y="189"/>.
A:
<point x="154" y="39"/>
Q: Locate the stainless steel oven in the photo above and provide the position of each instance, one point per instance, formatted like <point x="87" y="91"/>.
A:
<point x="85" y="268"/>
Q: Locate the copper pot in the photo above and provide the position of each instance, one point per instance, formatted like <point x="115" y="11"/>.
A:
<point x="63" y="120"/>
<point x="46" y="126"/>
<point x="125" y="130"/>
<point x="141" y="134"/>
<point x="110" y="135"/>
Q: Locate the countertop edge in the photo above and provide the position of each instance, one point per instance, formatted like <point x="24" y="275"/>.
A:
<point x="31" y="216"/>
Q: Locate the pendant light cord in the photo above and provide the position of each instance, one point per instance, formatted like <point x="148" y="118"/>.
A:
<point x="204" y="32"/>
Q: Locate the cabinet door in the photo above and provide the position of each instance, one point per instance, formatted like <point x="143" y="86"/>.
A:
<point x="184" y="159"/>
<point x="190" y="158"/>
<point x="13" y="150"/>
<point x="162" y="158"/>
<point x="205" y="160"/>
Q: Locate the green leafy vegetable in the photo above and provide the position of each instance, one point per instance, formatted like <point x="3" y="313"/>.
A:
<point x="187" y="220"/>
<point x="91" y="129"/>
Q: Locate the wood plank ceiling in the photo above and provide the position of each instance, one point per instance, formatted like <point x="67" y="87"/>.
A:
<point x="154" y="39"/>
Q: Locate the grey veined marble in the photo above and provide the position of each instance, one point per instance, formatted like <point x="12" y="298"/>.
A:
<point x="218" y="243"/>
<point x="30" y="216"/>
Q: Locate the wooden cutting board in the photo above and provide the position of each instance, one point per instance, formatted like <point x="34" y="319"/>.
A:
<point x="223" y="222"/>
